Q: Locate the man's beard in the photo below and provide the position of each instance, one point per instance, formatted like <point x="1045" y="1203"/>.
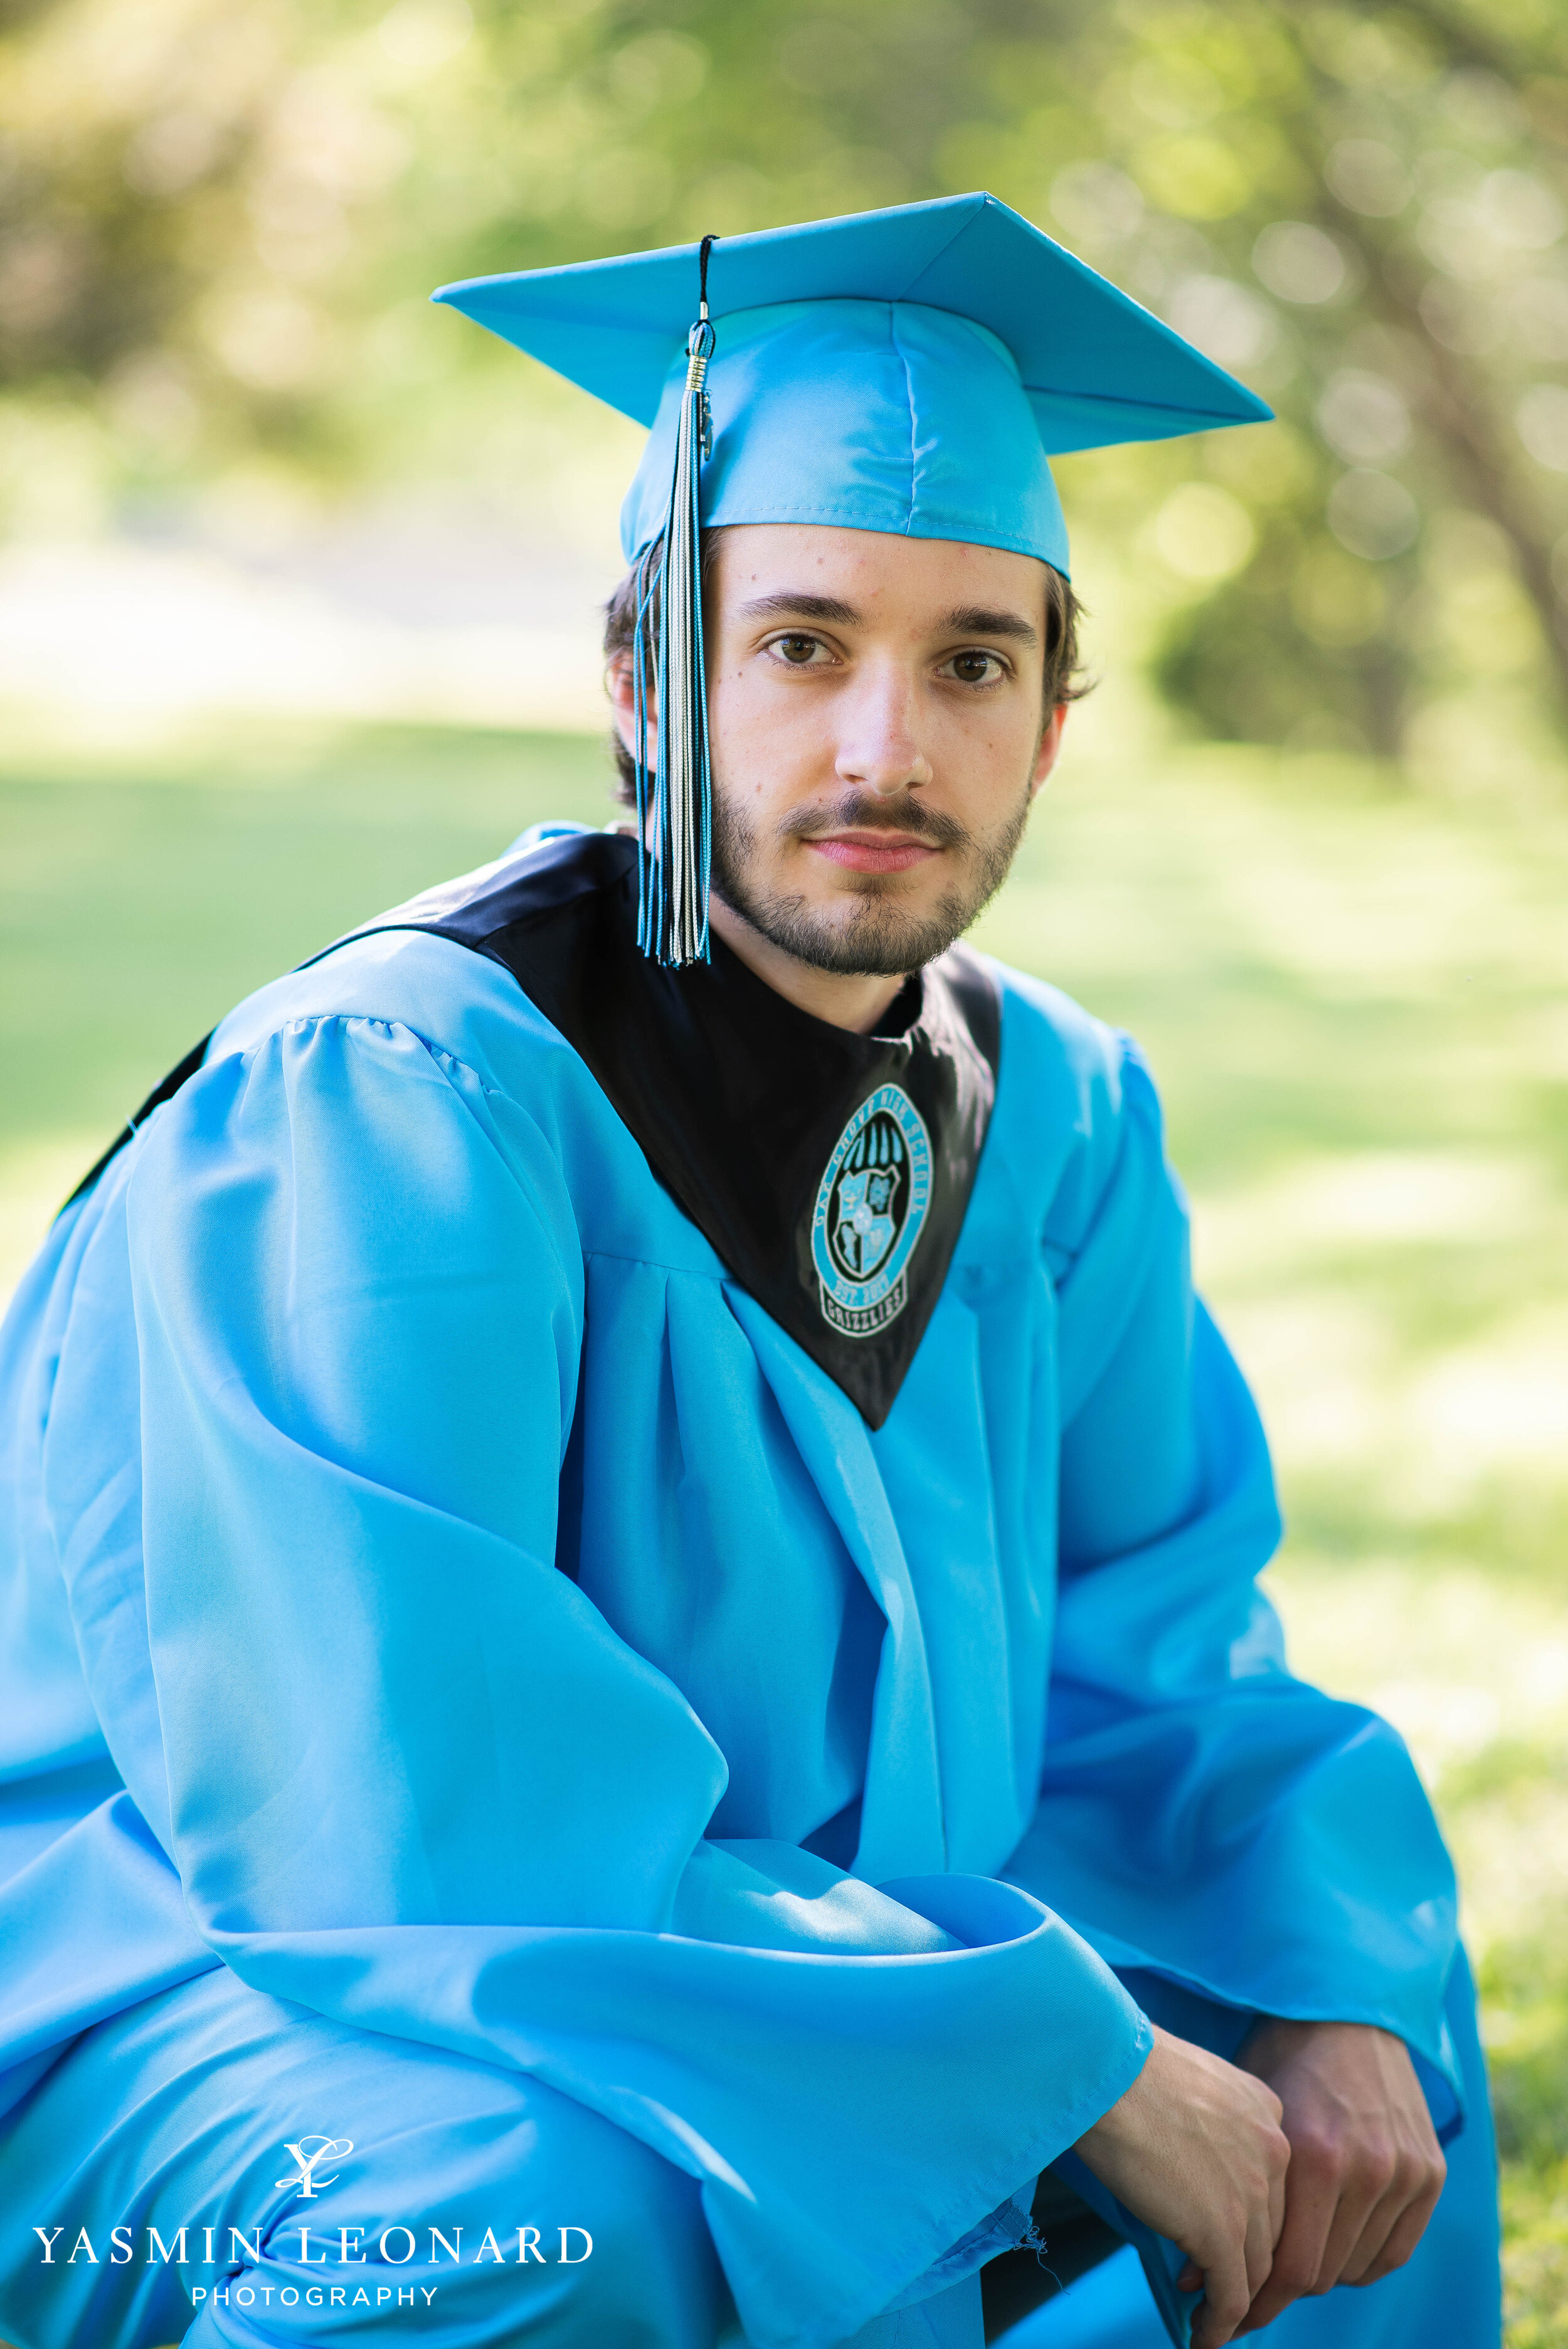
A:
<point x="881" y="939"/>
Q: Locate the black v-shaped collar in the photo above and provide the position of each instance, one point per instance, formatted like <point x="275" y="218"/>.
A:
<point x="830" y="1171"/>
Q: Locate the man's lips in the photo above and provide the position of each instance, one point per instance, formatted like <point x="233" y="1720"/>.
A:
<point x="873" y="852"/>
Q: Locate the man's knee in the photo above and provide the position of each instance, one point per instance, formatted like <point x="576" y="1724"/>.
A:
<point x="476" y="2190"/>
<point x="529" y="2219"/>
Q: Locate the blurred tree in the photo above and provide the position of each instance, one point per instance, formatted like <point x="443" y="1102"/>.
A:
<point x="218" y="222"/>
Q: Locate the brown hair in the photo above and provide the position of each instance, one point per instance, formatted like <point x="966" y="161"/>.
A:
<point x="1063" y="680"/>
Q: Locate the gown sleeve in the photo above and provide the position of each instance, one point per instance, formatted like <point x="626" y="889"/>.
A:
<point x="418" y="1784"/>
<point x="1202" y="1814"/>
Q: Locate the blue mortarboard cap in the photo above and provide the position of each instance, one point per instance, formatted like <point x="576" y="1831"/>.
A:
<point x="908" y="371"/>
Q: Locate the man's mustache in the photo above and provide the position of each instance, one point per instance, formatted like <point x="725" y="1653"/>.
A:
<point x="870" y="811"/>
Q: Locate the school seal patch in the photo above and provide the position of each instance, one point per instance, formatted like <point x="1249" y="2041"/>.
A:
<point x="872" y="1206"/>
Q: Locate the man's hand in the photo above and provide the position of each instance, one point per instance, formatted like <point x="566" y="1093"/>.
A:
<point x="1365" y="2168"/>
<point x="1195" y="2149"/>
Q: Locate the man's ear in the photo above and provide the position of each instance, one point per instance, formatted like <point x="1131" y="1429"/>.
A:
<point x="619" y="686"/>
<point x="1049" y="749"/>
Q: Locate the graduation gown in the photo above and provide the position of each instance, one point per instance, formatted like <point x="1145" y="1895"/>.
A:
<point x="440" y="1590"/>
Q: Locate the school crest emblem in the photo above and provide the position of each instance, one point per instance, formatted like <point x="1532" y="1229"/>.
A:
<point x="872" y="1206"/>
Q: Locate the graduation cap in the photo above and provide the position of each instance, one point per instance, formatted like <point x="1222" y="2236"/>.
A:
<point x="909" y="371"/>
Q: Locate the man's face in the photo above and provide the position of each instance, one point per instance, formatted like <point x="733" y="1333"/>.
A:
<point x="878" y="731"/>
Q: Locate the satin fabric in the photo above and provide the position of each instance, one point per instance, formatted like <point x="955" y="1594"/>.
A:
<point x="292" y="1398"/>
<point x="172" y="2118"/>
<point x="739" y="1100"/>
<point x="884" y="416"/>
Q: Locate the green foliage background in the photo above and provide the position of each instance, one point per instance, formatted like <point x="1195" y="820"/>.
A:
<point x="219" y="220"/>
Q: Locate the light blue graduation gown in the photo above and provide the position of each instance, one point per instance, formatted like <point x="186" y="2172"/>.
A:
<point x="294" y="1679"/>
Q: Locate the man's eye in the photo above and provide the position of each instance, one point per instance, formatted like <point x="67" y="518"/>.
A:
<point x="799" y="651"/>
<point x="975" y="668"/>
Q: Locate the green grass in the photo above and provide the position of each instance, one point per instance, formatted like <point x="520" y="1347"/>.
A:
<point x="136" y="906"/>
<point x="1356" y="1003"/>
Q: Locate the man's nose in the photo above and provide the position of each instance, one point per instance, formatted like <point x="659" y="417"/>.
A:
<point x="879" y="746"/>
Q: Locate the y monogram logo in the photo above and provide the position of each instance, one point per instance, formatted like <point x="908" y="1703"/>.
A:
<point x="327" y="2149"/>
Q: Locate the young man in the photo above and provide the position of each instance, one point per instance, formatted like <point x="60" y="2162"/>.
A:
<point x="639" y="1708"/>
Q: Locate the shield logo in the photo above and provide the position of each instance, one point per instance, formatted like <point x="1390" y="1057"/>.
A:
<point x="871" y="1206"/>
<point x="866" y="1209"/>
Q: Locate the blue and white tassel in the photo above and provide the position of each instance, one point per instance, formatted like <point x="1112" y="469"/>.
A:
<point x="674" y="795"/>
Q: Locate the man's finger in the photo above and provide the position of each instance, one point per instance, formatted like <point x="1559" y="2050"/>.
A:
<point x="1309" y="2191"/>
<point x="1376" y="2183"/>
<point x="1279" y="2200"/>
<point x="1293" y="2270"/>
<point x="1258" y="2251"/>
<point x="1395" y="2226"/>
<point x="1223" y="2306"/>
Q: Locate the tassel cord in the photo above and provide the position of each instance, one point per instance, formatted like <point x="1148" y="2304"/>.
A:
<point x="674" y="789"/>
<point x="683" y="797"/>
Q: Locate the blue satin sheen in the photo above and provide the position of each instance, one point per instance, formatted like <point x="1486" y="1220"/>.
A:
<point x="879" y="416"/>
<point x="383" y="1322"/>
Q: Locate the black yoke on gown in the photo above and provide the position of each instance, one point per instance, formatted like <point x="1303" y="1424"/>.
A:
<point x="830" y="1171"/>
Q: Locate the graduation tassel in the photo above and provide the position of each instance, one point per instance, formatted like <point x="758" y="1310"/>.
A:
<point x="675" y="798"/>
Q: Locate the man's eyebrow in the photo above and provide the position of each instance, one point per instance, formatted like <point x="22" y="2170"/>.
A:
<point x="979" y="620"/>
<point x="968" y="620"/>
<point x="790" y="605"/>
